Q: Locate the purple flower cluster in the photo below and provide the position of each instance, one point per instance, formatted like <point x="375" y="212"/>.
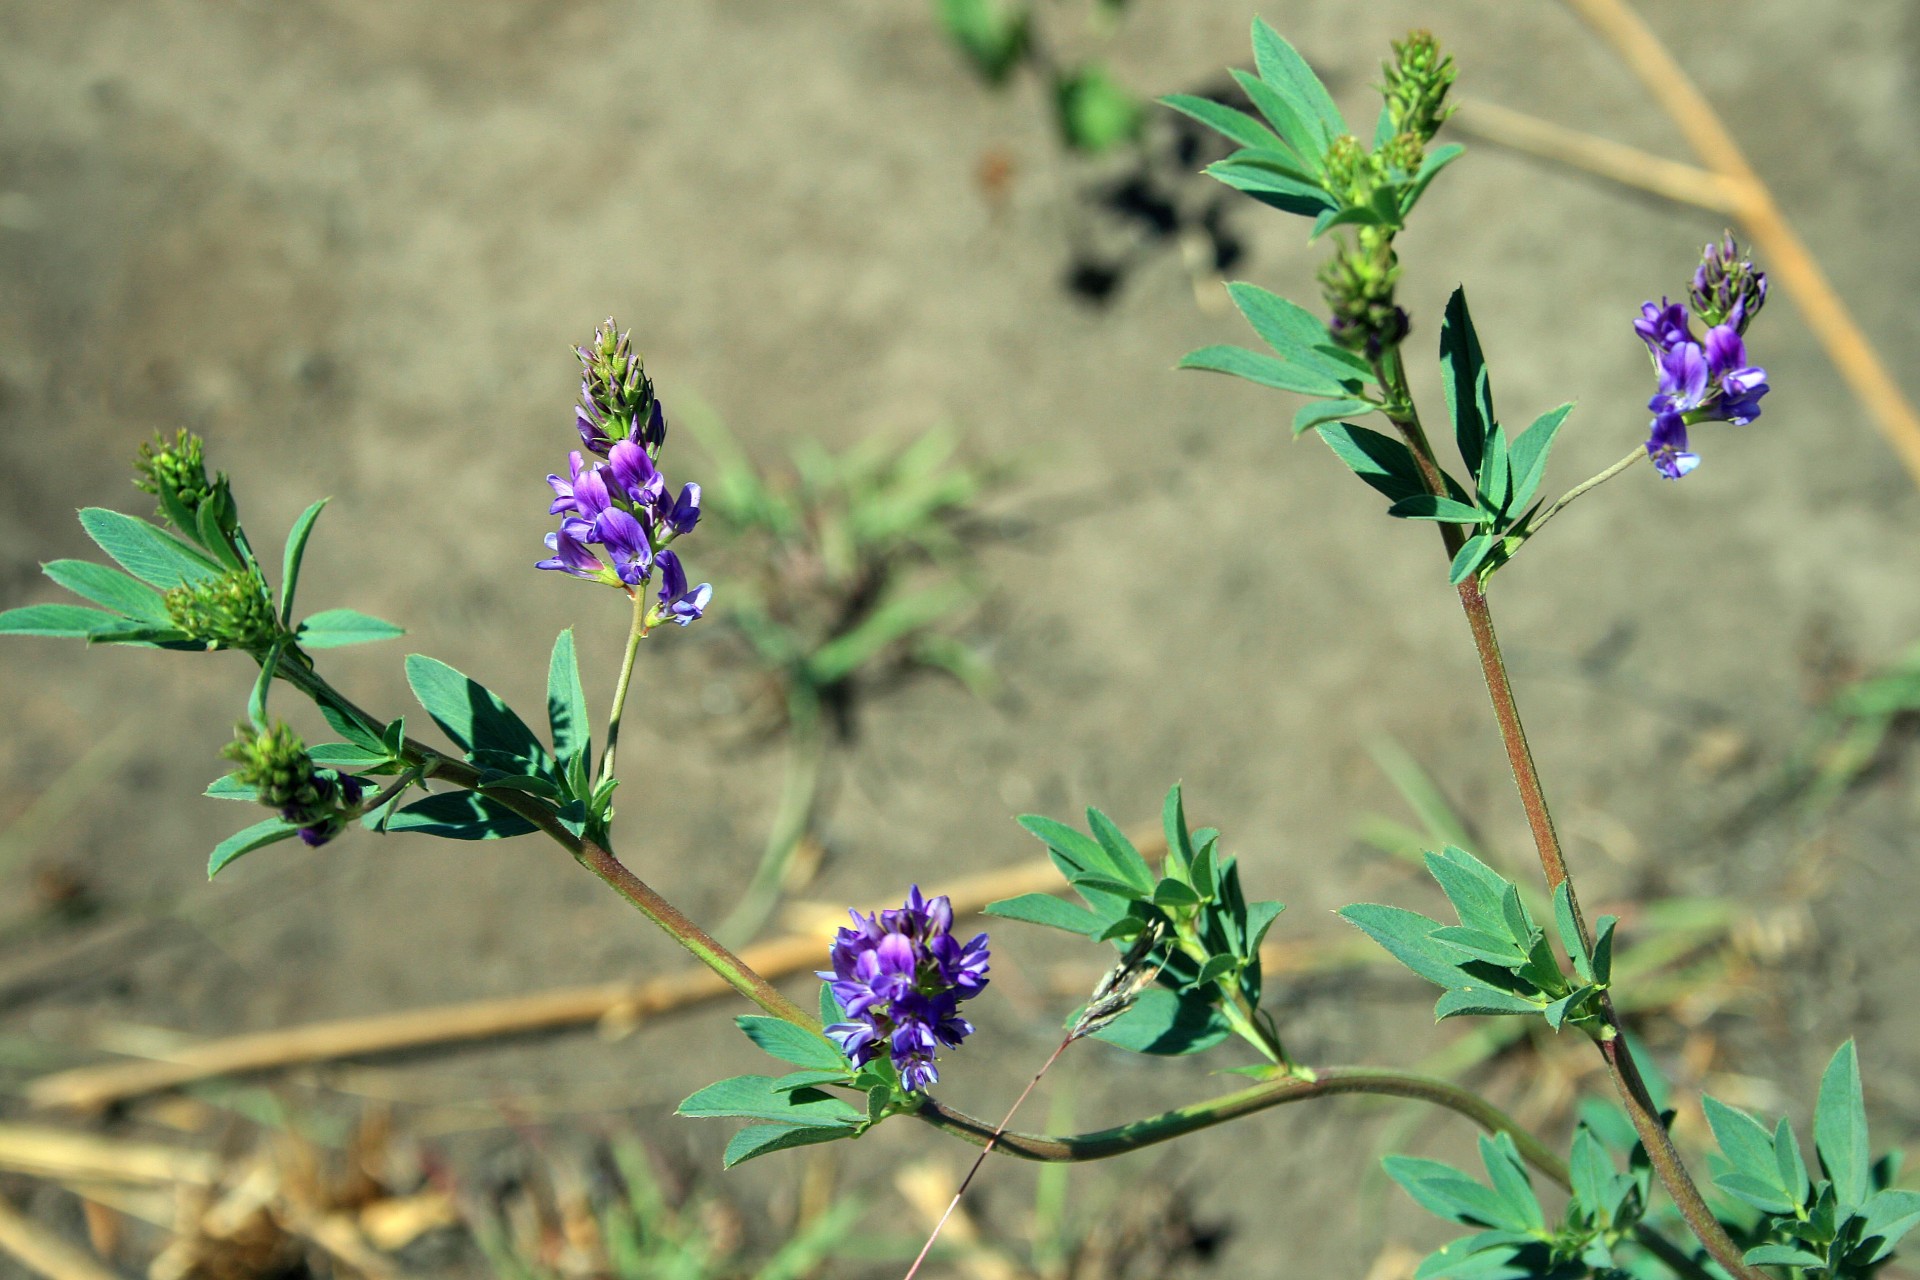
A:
<point x="900" y="976"/>
<point x="1703" y="380"/>
<point x="623" y="504"/>
<point x="341" y="787"/>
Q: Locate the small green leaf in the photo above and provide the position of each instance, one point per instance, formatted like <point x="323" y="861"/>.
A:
<point x="1473" y="553"/>
<point x="755" y="1098"/>
<point x="1529" y="458"/>
<point x="1172" y="893"/>
<point x="1427" y="506"/>
<point x="148" y="553"/>
<point x="1162" y="1022"/>
<point x="1296" y="335"/>
<point x="1073" y="850"/>
<point x="1173" y="825"/>
<point x="109" y="587"/>
<point x="1259" y="919"/>
<point x="1782" y="1255"/>
<point x="1469" y="402"/>
<point x="348" y="727"/>
<point x="1758" y="1192"/>
<point x="1383" y="462"/>
<point x="1282" y="67"/>
<point x="257" y="836"/>
<point x="1320" y="412"/>
<point x="764" y="1139"/>
<point x="1474" y="997"/>
<point x="459" y="815"/>
<point x="1124" y="857"/>
<point x="1886" y="1217"/>
<point x="789" y="1043"/>
<point x="347" y="757"/>
<point x="992" y="33"/>
<point x="1568" y="928"/>
<point x="1215" y="968"/>
<point x="338" y="628"/>
<point x="1288" y="121"/>
<point x="230" y="787"/>
<point x="1045" y="909"/>
<point x="1840" y="1129"/>
<point x="1408" y="936"/>
<point x="1236" y="125"/>
<point x="56" y="621"/>
<point x="470" y="713"/>
<point x="1478" y="892"/>
<point x="567" y="713"/>
<point x="1263" y="369"/>
<point x="1603" y="950"/>
<point x="290" y="559"/>
<point x="1509" y="1177"/>
<point x="830" y="1010"/>
<point x="1788" y="1162"/>
<point x="1202" y="874"/>
<point x="1436" y="160"/>
<point x="1270" y="186"/>
<point x="813" y="1076"/>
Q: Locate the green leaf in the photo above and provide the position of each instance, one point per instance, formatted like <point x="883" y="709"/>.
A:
<point x="755" y="1098"/>
<point x="1172" y="893"/>
<point x="257" y="836"/>
<point x="1173" y="825"/>
<point x="1436" y="160"/>
<point x="1499" y="950"/>
<point x="1383" y="462"/>
<point x="1095" y="113"/>
<point x="1496" y="476"/>
<point x="830" y="1010"/>
<point x="1408" y="937"/>
<point x="349" y="728"/>
<point x="1204" y="881"/>
<point x="764" y="1139"/>
<point x="458" y="815"/>
<point x="567" y="714"/>
<point x="1758" y="1192"/>
<point x="813" y="1076"/>
<point x="1469" y="399"/>
<point x="1074" y="852"/>
<point x="347" y="756"/>
<point x="1840" y="1129"/>
<point x="1133" y="868"/>
<point x="230" y="787"/>
<point x="338" y="628"/>
<point x="1603" y="950"/>
<point x="1260" y="918"/>
<point x="1427" y="506"/>
<point x="56" y="621"/>
<point x="792" y="1044"/>
<point x="1044" y="909"/>
<point x="290" y="559"/>
<point x="1296" y="335"/>
<point x="1263" y="369"/>
<point x="1509" y="1177"/>
<point x="1529" y="456"/>
<point x="1473" y="552"/>
<point x="1747" y="1145"/>
<point x="1782" y="1255"/>
<point x="109" y="587"/>
<point x="1236" y="125"/>
<point x="1568" y="928"/>
<point x="1478" y="892"/>
<point x="1216" y="968"/>
<point x="1282" y="67"/>
<point x="1789" y="1164"/>
<point x="1886" y="1217"/>
<point x="1473" y="997"/>
<point x="1163" y="1022"/>
<point x="1444" y="1190"/>
<point x="1320" y="412"/>
<point x="1295" y="132"/>
<point x="1592" y="1173"/>
<point x="148" y="553"/>
<point x="1271" y="187"/>
<point x="470" y="713"/>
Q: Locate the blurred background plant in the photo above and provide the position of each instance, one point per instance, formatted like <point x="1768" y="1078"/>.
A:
<point x="843" y="574"/>
<point x="1130" y="175"/>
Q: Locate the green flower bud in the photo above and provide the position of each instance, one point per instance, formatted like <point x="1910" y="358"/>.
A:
<point x="1418" y="79"/>
<point x="276" y="765"/>
<point x="616" y="396"/>
<point x="1359" y="287"/>
<point x="175" y="473"/>
<point x="232" y="611"/>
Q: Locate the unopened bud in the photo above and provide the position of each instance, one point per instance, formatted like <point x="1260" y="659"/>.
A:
<point x="232" y="611"/>
<point x="1727" y="289"/>
<point x="1418" y="78"/>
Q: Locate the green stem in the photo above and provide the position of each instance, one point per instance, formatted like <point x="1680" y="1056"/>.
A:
<point x="592" y="855"/>
<point x="1391" y="373"/>
<point x="635" y="634"/>
<point x="1639" y="452"/>
<point x="1627" y="1081"/>
<point x="799" y="796"/>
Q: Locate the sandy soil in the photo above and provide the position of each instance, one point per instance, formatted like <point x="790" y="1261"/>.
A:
<point x="350" y="242"/>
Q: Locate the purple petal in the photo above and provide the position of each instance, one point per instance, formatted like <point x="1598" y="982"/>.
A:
<point x="686" y="510"/>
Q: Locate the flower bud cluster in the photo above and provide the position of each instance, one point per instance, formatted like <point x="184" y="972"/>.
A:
<point x="275" y="763"/>
<point x="623" y="504"/>
<point x="1358" y="283"/>
<point x="232" y="611"/>
<point x="176" y="470"/>
<point x="1706" y="379"/>
<point x="1418" y="80"/>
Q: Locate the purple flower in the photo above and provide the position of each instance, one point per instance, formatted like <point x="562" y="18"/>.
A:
<point x="900" y="976"/>
<point x="1726" y="287"/>
<point x="570" y="554"/>
<point x="686" y="510"/>
<point x="1663" y="327"/>
<point x="341" y="788"/>
<point x="677" y="604"/>
<point x="626" y="542"/>
<point x="1703" y="380"/>
<point x="635" y="473"/>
